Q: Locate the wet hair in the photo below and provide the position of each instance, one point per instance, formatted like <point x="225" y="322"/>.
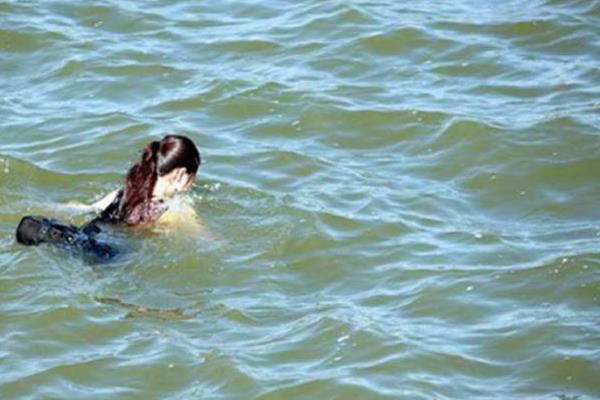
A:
<point x="135" y="204"/>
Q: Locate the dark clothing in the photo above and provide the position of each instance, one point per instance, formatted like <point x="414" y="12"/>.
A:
<point x="34" y="230"/>
<point x="146" y="212"/>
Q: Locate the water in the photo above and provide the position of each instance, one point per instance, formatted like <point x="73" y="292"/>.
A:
<point x="402" y="199"/>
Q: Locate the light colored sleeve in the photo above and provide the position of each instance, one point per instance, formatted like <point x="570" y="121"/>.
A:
<point x="104" y="202"/>
<point x="80" y="208"/>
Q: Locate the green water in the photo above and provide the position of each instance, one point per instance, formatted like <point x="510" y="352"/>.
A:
<point x="402" y="199"/>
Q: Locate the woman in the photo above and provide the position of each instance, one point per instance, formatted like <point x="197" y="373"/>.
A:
<point x="166" y="168"/>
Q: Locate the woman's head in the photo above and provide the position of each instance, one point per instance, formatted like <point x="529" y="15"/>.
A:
<point x="177" y="163"/>
<point x="166" y="167"/>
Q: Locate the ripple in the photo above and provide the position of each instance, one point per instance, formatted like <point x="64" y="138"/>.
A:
<point x="400" y="199"/>
<point x="246" y="46"/>
<point x="402" y="40"/>
<point x="27" y="41"/>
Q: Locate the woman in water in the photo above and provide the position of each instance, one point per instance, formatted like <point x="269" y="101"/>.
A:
<point x="167" y="167"/>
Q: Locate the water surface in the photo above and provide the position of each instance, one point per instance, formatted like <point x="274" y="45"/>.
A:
<point x="402" y="199"/>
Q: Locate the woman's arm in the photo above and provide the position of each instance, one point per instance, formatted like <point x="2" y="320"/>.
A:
<point x="105" y="201"/>
<point x="98" y="206"/>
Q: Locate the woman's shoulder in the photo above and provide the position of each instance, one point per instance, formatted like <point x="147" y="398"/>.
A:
<point x="146" y="212"/>
<point x="180" y="214"/>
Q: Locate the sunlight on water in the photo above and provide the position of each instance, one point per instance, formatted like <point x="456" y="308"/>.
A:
<point x="399" y="201"/>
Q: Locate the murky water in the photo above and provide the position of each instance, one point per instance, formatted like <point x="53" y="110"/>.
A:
<point x="403" y="199"/>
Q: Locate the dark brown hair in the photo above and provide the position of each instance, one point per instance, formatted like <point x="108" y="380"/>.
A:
<point x="135" y="203"/>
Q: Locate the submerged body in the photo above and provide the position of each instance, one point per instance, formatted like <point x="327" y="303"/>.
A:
<point x="166" y="168"/>
<point x="174" y="213"/>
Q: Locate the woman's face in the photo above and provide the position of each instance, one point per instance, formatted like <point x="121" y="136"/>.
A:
<point x="176" y="181"/>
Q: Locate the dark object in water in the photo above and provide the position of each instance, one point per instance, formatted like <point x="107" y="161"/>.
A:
<point x="34" y="230"/>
